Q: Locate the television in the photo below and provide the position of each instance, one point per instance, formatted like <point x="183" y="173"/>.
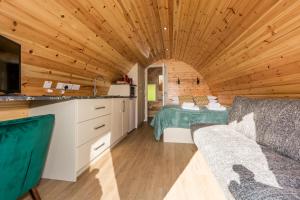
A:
<point x="10" y="66"/>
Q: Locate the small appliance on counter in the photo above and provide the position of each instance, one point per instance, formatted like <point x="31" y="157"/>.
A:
<point x="122" y="90"/>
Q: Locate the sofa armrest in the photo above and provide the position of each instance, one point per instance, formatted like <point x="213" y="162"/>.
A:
<point x="195" y="127"/>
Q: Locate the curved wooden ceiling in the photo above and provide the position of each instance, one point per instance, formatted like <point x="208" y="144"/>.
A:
<point x="120" y="33"/>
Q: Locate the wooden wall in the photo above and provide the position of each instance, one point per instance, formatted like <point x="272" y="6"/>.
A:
<point x="264" y="61"/>
<point x="188" y="79"/>
<point x="62" y="41"/>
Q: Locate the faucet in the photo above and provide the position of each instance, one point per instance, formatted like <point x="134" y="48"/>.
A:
<point x="95" y="84"/>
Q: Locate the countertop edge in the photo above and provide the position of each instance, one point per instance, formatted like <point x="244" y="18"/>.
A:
<point x="56" y="98"/>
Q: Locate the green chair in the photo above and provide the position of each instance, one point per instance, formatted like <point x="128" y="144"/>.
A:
<point x="24" y="145"/>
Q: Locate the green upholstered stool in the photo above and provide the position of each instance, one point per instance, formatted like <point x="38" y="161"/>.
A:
<point x="24" y="145"/>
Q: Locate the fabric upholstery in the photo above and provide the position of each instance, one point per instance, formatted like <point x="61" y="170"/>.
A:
<point x="187" y="99"/>
<point x="23" y="150"/>
<point x="201" y="100"/>
<point x="246" y="170"/>
<point x="273" y="123"/>
<point x="255" y="156"/>
<point x="176" y="117"/>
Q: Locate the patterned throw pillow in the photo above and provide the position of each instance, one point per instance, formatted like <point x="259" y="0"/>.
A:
<point x="201" y="100"/>
<point x="187" y="99"/>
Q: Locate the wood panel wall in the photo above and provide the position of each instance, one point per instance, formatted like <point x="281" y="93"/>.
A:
<point x="188" y="79"/>
<point x="62" y="41"/>
<point x="264" y="61"/>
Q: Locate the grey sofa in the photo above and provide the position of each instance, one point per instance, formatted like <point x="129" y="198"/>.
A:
<point x="257" y="155"/>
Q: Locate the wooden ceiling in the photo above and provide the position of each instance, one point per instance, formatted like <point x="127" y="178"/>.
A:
<point x="85" y="38"/>
<point x="115" y="33"/>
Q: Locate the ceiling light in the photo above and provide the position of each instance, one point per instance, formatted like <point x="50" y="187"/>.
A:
<point x="165" y="28"/>
<point x="167" y="49"/>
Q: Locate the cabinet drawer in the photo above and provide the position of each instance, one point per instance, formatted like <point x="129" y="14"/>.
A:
<point x="89" y="151"/>
<point x="92" y="128"/>
<point x="92" y="108"/>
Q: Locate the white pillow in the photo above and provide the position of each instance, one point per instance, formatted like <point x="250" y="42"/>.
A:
<point x="213" y="101"/>
<point x="212" y="97"/>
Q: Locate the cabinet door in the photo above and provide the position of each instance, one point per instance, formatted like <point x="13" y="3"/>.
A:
<point x="132" y="114"/>
<point x="117" y="120"/>
<point x="125" y="116"/>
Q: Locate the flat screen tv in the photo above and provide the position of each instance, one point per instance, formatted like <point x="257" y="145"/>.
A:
<point x="10" y="66"/>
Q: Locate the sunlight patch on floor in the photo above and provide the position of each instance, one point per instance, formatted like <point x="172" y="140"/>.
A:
<point x="107" y="178"/>
<point x="195" y="182"/>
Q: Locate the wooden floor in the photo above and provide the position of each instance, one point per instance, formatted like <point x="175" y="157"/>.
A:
<point x="140" y="168"/>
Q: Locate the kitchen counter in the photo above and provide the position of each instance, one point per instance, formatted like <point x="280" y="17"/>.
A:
<point x="55" y="98"/>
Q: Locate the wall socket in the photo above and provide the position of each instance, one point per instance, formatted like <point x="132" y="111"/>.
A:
<point x="75" y="87"/>
<point x="47" y="84"/>
<point x="62" y="86"/>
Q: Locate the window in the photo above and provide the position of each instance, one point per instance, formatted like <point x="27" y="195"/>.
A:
<point x="151" y="92"/>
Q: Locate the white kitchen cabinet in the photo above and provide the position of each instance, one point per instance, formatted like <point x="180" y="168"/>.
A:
<point x="137" y="73"/>
<point x="117" y="120"/>
<point x="132" y="114"/>
<point x="82" y="131"/>
<point x="125" y="120"/>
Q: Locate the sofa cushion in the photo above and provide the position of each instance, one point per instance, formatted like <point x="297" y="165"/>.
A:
<point x="246" y="170"/>
<point x="273" y="123"/>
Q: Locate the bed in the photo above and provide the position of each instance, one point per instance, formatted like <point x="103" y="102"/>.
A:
<point x="174" y="123"/>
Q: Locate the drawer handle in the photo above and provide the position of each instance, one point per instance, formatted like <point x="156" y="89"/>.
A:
<point x="98" y="147"/>
<point x="101" y="126"/>
<point x="100" y="107"/>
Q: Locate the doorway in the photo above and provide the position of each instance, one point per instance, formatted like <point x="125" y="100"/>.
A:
<point x="155" y="90"/>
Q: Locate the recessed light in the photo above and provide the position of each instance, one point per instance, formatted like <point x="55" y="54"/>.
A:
<point x="167" y="49"/>
<point x="165" y="28"/>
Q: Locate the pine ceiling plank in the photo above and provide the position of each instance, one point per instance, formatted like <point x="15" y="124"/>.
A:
<point x="164" y="18"/>
<point x="77" y="30"/>
<point x="253" y="10"/>
<point x="152" y="25"/>
<point x="264" y="47"/>
<point x="137" y="10"/>
<point x="55" y="34"/>
<point x="115" y="16"/>
<point x="159" y="28"/>
<point x="85" y="12"/>
<point x="25" y="34"/>
<point x="238" y="40"/>
<point x="171" y="26"/>
<point x="214" y="13"/>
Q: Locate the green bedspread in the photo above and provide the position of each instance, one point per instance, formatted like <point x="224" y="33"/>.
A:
<point x="176" y="117"/>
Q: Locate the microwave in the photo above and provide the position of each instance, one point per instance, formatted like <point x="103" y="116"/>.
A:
<point x="122" y="90"/>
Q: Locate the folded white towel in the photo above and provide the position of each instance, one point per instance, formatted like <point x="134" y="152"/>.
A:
<point x="220" y="108"/>
<point x="214" y="105"/>
<point x="188" y="104"/>
<point x="212" y="97"/>
<point x="190" y="108"/>
<point x="213" y="101"/>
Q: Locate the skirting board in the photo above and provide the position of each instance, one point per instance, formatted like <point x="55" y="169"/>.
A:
<point x="178" y="135"/>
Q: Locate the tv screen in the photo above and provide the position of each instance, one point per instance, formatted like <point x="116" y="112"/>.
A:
<point x="10" y="66"/>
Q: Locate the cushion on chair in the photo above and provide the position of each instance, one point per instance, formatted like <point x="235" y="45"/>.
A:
<point x="16" y="146"/>
<point x="23" y="150"/>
